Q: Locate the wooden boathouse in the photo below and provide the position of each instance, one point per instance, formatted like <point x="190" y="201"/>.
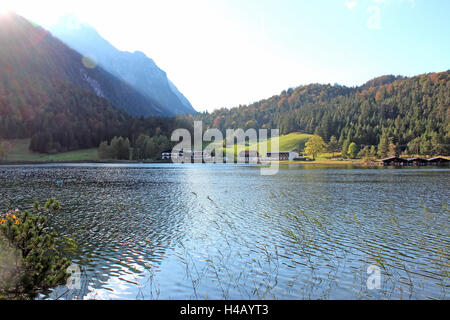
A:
<point x="417" y="161"/>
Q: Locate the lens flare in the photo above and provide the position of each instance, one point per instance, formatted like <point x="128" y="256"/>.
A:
<point x="89" y="62"/>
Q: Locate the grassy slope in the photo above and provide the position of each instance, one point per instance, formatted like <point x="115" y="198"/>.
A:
<point x="20" y="152"/>
<point x="286" y="143"/>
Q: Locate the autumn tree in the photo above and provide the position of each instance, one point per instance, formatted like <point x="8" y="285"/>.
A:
<point x="352" y="150"/>
<point x="315" y="145"/>
<point x="393" y="150"/>
<point x="345" y="147"/>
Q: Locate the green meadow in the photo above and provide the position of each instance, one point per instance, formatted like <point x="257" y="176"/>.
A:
<point x="20" y="152"/>
<point x="289" y="142"/>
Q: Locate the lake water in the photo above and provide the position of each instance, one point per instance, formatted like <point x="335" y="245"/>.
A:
<point x="226" y="232"/>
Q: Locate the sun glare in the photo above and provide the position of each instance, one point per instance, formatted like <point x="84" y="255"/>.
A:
<point x="5" y="6"/>
<point x="3" y="10"/>
<point x="34" y="10"/>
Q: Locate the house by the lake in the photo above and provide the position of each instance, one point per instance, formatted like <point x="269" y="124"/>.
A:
<point x="283" y="156"/>
<point x="395" y="161"/>
<point x="438" y="161"/>
<point x="416" y="161"/>
<point x="189" y="156"/>
<point x="166" y="155"/>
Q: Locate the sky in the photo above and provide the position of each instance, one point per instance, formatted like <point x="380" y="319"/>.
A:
<point x="225" y="53"/>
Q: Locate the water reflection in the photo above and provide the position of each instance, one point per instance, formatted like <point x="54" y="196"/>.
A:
<point x="225" y="232"/>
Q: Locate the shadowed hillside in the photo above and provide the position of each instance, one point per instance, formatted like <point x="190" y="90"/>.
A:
<point x="135" y="68"/>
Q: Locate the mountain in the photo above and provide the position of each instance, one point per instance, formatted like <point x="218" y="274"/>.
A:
<point x="33" y="55"/>
<point x="411" y="113"/>
<point x="135" y="68"/>
<point x="46" y="92"/>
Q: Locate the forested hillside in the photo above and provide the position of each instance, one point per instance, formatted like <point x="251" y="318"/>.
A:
<point x="412" y="113"/>
<point x="49" y="93"/>
<point x="33" y="67"/>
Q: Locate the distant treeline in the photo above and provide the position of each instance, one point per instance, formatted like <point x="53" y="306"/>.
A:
<point x="145" y="147"/>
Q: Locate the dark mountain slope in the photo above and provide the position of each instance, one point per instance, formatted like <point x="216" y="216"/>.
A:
<point x="31" y="59"/>
<point x="43" y="94"/>
<point x="135" y="68"/>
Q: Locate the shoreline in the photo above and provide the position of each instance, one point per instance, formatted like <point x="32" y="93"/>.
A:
<point x="283" y="162"/>
<point x="24" y="162"/>
<point x="320" y="162"/>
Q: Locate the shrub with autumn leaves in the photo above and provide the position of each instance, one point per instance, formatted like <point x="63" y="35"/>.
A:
<point x="31" y="256"/>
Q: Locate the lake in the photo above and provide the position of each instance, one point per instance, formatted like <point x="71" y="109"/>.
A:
<point x="226" y="232"/>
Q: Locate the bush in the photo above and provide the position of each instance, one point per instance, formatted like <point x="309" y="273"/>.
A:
<point x="33" y="259"/>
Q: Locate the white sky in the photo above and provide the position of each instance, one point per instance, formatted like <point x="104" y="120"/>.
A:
<point x="222" y="53"/>
<point x="214" y="61"/>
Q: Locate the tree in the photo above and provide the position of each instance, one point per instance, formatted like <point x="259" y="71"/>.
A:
<point x="414" y="146"/>
<point x="139" y="147"/>
<point x="426" y="148"/>
<point x="120" y="148"/>
<point x="39" y="259"/>
<point x="333" y="145"/>
<point x="437" y="141"/>
<point x="151" y="148"/>
<point x="5" y="148"/>
<point x="383" y="147"/>
<point x="393" y="150"/>
<point x="364" y="153"/>
<point x="315" y="145"/>
<point x="124" y="150"/>
<point x="105" y="151"/>
<point x="352" y="150"/>
<point x="373" y="152"/>
<point x="345" y="147"/>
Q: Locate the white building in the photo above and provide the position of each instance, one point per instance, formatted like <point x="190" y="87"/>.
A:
<point x="189" y="155"/>
<point x="283" y="156"/>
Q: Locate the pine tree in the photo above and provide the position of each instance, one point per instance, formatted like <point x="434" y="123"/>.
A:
<point x="383" y="147"/>
<point x="333" y="145"/>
